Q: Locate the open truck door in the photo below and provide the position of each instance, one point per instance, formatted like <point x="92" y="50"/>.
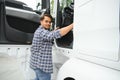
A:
<point x="18" y="23"/>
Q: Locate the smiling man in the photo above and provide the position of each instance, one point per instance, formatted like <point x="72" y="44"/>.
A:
<point x="41" y="50"/>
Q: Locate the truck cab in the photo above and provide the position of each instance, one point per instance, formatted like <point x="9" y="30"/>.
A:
<point x="88" y="52"/>
<point x="91" y="52"/>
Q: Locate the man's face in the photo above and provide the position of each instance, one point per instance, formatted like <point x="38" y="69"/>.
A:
<point x="46" y="22"/>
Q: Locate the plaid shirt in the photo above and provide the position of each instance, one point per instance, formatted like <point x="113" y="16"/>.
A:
<point x="41" y="50"/>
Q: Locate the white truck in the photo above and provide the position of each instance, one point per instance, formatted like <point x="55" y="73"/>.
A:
<point x="94" y="53"/>
<point x="89" y="52"/>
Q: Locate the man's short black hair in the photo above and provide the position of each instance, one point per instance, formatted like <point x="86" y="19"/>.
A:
<point x="48" y="15"/>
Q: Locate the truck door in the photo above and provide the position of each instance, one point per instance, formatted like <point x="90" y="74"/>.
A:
<point x="18" y="22"/>
<point x="97" y="28"/>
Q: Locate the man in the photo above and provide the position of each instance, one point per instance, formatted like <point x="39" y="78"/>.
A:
<point x="41" y="50"/>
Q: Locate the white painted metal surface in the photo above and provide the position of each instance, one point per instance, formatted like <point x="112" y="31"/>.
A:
<point x="97" y="23"/>
<point x="96" y="31"/>
<point x="82" y="70"/>
<point x="95" y="54"/>
<point x="14" y="61"/>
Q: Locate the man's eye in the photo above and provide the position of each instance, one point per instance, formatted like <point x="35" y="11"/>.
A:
<point x="48" y="21"/>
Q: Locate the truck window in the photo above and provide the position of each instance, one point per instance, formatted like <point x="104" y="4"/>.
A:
<point x="65" y="17"/>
